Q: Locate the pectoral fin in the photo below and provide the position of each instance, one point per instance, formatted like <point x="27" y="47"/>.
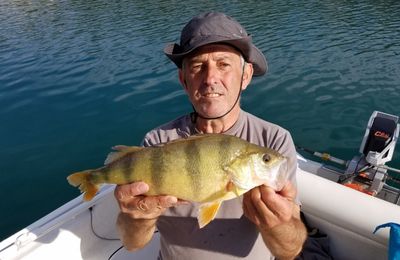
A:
<point x="235" y="189"/>
<point x="207" y="212"/>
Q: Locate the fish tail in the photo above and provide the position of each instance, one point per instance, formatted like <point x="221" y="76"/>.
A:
<point x="82" y="179"/>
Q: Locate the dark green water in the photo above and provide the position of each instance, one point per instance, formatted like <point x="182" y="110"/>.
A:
<point x="77" y="77"/>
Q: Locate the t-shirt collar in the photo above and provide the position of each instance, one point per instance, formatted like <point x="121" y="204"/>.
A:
<point x="231" y="131"/>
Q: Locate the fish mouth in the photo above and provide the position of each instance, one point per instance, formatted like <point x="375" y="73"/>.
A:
<point x="281" y="175"/>
<point x="283" y="167"/>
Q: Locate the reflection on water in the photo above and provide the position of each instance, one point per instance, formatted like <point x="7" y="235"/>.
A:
<point x="77" y="77"/>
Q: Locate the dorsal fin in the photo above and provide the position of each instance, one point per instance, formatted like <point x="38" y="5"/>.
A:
<point x="183" y="139"/>
<point x="121" y="150"/>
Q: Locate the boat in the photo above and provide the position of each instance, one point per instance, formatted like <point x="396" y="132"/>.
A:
<point x="344" y="204"/>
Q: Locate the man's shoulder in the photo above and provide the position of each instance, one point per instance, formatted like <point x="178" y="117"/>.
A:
<point x="264" y="133"/>
<point x="264" y="125"/>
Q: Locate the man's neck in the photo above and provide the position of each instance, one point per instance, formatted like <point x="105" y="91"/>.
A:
<point x="219" y="125"/>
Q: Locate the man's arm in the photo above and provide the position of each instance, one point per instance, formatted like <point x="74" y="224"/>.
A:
<point x="277" y="218"/>
<point x="137" y="220"/>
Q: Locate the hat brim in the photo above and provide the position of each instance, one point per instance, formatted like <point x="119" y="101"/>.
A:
<point x="250" y="52"/>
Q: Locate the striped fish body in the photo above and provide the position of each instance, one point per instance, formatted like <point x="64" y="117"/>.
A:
<point x="207" y="168"/>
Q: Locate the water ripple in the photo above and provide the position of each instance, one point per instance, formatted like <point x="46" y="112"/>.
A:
<point x="69" y="67"/>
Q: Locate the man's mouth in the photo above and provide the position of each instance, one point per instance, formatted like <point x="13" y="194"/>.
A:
<point x="211" y="95"/>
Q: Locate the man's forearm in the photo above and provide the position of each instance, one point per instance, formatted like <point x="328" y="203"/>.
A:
<point x="285" y="241"/>
<point x="135" y="233"/>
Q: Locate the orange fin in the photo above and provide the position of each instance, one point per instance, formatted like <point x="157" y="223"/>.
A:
<point x="120" y="151"/>
<point x="82" y="179"/>
<point x="207" y="212"/>
<point x="235" y="189"/>
<point x="230" y="186"/>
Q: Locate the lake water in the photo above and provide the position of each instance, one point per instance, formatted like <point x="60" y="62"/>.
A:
<point x="77" y="77"/>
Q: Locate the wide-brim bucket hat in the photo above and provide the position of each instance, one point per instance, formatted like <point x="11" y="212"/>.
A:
<point x="214" y="27"/>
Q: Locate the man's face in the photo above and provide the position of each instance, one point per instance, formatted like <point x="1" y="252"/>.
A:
<point x="212" y="77"/>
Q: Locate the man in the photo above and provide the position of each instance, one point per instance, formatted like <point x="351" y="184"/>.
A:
<point x="216" y="61"/>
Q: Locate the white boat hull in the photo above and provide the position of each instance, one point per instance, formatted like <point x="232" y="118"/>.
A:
<point x="73" y="231"/>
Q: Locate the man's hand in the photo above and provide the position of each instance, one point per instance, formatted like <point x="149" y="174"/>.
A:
<point x="138" y="206"/>
<point x="137" y="220"/>
<point x="267" y="208"/>
<point x="277" y="218"/>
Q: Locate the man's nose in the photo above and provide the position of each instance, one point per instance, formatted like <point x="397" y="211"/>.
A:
<point x="211" y="75"/>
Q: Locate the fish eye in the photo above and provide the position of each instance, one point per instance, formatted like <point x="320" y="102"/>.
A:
<point x="266" y="158"/>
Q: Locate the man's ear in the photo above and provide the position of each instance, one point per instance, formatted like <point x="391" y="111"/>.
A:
<point x="247" y="75"/>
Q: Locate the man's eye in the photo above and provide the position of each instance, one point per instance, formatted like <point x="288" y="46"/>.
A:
<point x="224" y="65"/>
<point x="196" y="67"/>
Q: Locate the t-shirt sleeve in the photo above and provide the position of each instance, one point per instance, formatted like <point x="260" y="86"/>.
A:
<point x="150" y="139"/>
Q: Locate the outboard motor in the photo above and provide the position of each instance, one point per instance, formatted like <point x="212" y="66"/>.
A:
<point x="380" y="138"/>
<point x="377" y="147"/>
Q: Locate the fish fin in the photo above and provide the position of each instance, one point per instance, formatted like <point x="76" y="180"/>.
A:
<point x="235" y="189"/>
<point x="230" y="186"/>
<point x="234" y="184"/>
<point x="82" y="179"/>
<point x="207" y="212"/>
<point x="120" y="147"/>
<point x="183" y="139"/>
<point x="121" y="150"/>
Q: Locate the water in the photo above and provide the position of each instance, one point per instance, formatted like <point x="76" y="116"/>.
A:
<point x="77" y="77"/>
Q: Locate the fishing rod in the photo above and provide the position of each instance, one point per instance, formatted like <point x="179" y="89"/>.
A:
<point x="323" y="156"/>
<point x="390" y="168"/>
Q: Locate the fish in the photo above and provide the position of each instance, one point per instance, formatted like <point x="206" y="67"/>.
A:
<point x="204" y="168"/>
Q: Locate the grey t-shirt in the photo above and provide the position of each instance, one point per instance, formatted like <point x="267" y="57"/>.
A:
<point x="230" y="235"/>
